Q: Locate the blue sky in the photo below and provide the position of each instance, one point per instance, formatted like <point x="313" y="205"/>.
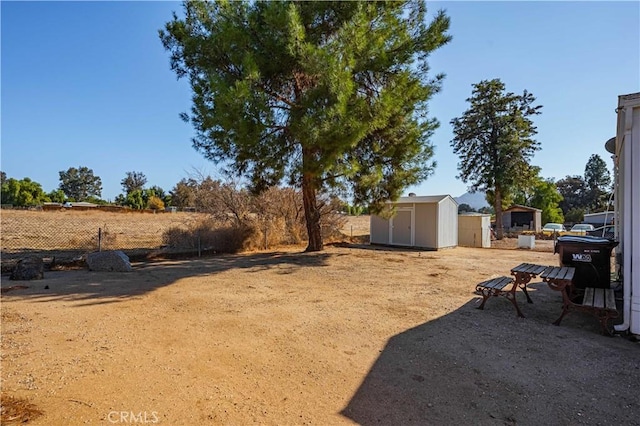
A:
<point x="89" y="84"/>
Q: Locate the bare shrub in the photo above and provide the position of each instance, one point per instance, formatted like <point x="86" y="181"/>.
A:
<point x="272" y="218"/>
<point x="211" y="234"/>
<point x="280" y="216"/>
<point x="108" y="238"/>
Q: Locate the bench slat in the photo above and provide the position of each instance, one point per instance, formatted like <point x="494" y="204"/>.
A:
<point x="496" y="283"/>
<point x="552" y="273"/>
<point x="565" y="273"/>
<point x="598" y="298"/>
<point x="587" y="300"/>
<point x="500" y="283"/>
<point x="539" y="269"/>
<point x="610" y="300"/>
<point x="529" y="268"/>
<point x="570" y="272"/>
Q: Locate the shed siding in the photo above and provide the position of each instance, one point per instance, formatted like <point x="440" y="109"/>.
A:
<point x="474" y="230"/>
<point x="537" y="223"/>
<point x="426" y="225"/>
<point x="447" y="224"/>
<point x="379" y="230"/>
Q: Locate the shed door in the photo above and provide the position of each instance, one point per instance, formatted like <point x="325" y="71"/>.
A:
<point x="401" y="230"/>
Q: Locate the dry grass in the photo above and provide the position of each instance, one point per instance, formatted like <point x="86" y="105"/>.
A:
<point x="15" y="411"/>
<point x="64" y="235"/>
<point x="51" y="230"/>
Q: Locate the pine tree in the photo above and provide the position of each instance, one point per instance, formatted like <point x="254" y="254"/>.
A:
<point x="325" y="95"/>
<point x="494" y="140"/>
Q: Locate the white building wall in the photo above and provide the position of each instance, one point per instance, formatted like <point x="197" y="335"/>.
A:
<point x="627" y="162"/>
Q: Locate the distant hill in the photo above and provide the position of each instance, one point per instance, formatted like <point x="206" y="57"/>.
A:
<point x="476" y="200"/>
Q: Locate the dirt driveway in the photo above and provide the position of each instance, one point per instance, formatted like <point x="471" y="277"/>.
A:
<point x="349" y="335"/>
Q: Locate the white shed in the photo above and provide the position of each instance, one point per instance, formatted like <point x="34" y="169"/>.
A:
<point x="429" y="222"/>
<point x="474" y="230"/>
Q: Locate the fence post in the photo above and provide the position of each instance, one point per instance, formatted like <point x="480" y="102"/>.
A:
<point x="99" y="239"/>
<point x="265" y="238"/>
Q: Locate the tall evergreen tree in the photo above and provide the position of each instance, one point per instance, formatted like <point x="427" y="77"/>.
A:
<point x="494" y="140"/>
<point x="331" y="95"/>
<point x="598" y="180"/>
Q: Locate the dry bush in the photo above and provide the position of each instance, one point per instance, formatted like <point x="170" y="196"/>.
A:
<point x="243" y="221"/>
<point x="212" y="235"/>
<point x="15" y="411"/>
<point x="331" y="221"/>
<point x="280" y="216"/>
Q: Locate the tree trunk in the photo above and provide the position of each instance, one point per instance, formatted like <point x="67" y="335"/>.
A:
<point x="311" y="213"/>
<point x="497" y="205"/>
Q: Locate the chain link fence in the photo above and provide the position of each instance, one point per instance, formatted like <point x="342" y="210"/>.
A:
<point x="63" y="236"/>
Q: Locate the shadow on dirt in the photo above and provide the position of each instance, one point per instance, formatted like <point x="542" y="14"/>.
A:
<point x="483" y="368"/>
<point x="110" y="287"/>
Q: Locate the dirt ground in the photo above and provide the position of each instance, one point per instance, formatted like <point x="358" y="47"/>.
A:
<point x="351" y="335"/>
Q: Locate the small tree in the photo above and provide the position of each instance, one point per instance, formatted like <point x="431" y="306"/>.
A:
<point x="574" y="215"/>
<point x="133" y="181"/>
<point x="546" y="198"/>
<point x="494" y="140"/>
<point x="155" y="203"/>
<point x="135" y="200"/>
<point x="22" y="193"/>
<point x="79" y="184"/>
<point x="160" y="193"/>
<point x="57" y="196"/>
<point x="465" y="208"/>
<point x="184" y="193"/>
<point x="574" y="194"/>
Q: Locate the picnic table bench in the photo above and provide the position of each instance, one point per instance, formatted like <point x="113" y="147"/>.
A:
<point x="507" y="286"/>
<point x="599" y="302"/>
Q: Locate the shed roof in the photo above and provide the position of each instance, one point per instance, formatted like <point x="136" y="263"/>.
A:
<point x="424" y="199"/>
<point x="518" y="207"/>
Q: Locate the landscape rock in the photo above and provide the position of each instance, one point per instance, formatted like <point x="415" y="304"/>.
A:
<point x="109" y="261"/>
<point x="29" y="268"/>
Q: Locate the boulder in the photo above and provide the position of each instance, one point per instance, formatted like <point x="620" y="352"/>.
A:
<point x="109" y="261"/>
<point x="29" y="268"/>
